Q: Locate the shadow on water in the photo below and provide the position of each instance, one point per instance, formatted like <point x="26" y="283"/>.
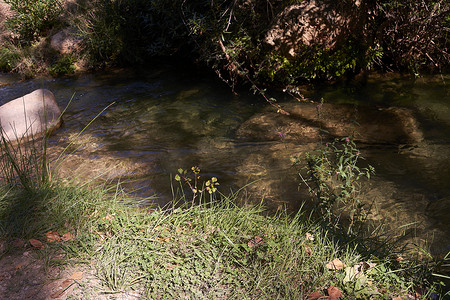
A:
<point x="168" y="118"/>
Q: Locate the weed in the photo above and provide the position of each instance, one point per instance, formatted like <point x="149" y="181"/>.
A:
<point x="193" y="183"/>
<point x="333" y="178"/>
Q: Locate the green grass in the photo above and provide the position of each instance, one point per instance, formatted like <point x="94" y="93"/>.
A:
<point x="205" y="251"/>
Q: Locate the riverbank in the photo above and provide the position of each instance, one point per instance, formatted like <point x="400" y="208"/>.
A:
<point x="280" y="45"/>
<point x="66" y="239"/>
<point x="90" y="244"/>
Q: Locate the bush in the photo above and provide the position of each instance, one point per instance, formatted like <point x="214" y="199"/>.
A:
<point x="65" y="65"/>
<point x="413" y="34"/>
<point x="8" y="59"/>
<point x="33" y="18"/>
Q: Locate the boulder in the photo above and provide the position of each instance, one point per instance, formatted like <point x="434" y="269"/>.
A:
<point x="66" y="41"/>
<point x="364" y="124"/>
<point x="314" y="22"/>
<point x="30" y="116"/>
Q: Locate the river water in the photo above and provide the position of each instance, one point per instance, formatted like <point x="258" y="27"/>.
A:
<point x="162" y="119"/>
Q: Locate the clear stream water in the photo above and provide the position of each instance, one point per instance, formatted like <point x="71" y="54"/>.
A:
<point x="165" y="118"/>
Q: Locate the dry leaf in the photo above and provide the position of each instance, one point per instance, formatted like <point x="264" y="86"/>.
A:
<point x="335" y="264"/>
<point x="52" y="237"/>
<point x="67" y="237"/>
<point x="256" y="242"/>
<point x="109" y="217"/>
<point x="18" y="243"/>
<point x="76" y="276"/>
<point x="62" y="289"/>
<point x="163" y="239"/>
<point x="18" y="267"/>
<point x="334" y="293"/>
<point x="397" y="298"/>
<point x="171" y="267"/>
<point x="36" y="243"/>
<point x="308" y="251"/>
<point x="309" y="237"/>
<point x="314" y="296"/>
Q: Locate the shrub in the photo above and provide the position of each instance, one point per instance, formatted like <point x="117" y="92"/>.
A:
<point x="65" y="65"/>
<point x="333" y="177"/>
<point x="33" y="18"/>
<point x="9" y="57"/>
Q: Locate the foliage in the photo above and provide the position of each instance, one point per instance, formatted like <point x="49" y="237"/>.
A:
<point x="24" y="162"/>
<point x="333" y="178"/>
<point x="8" y="59"/>
<point x="65" y="65"/>
<point x="100" y="32"/>
<point x="32" y="18"/>
<point x="26" y="51"/>
<point x="314" y="62"/>
<point x="230" y="36"/>
<point x="413" y="34"/>
<point x="122" y="32"/>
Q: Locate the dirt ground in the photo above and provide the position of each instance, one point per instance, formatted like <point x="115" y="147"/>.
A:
<point x="29" y="272"/>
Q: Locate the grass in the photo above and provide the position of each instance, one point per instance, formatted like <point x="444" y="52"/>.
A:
<point x="210" y="249"/>
<point x="205" y="251"/>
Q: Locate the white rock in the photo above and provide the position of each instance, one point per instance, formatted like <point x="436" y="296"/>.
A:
<point x="30" y="116"/>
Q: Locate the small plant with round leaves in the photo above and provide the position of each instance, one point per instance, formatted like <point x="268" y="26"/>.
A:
<point x="191" y="178"/>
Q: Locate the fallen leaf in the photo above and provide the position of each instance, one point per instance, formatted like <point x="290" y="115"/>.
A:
<point x="308" y="251"/>
<point x="18" y="267"/>
<point x="52" y="237"/>
<point x="36" y="243"/>
<point x="335" y="264"/>
<point x="314" y="296"/>
<point x="109" y="217"/>
<point x="397" y="298"/>
<point x="334" y="293"/>
<point x="309" y="237"/>
<point x="163" y="239"/>
<point x="255" y="242"/>
<point x="76" y="276"/>
<point x="171" y="267"/>
<point x="67" y="237"/>
<point x="18" y="243"/>
<point x="62" y="289"/>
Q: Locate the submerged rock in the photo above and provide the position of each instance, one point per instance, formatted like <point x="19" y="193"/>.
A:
<point x="309" y="122"/>
<point x="30" y="116"/>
